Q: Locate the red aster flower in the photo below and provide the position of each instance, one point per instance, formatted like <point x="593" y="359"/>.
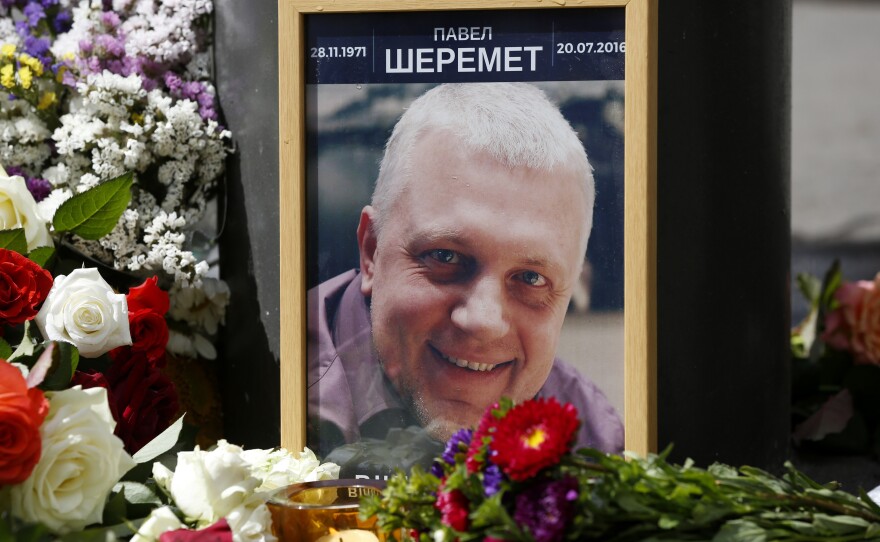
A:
<point x="476" y="454"/>
<point x="532" y="436"/>
<point x="453" y="506"/>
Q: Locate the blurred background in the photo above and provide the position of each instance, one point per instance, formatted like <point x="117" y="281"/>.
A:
<point x="835" y="175"/>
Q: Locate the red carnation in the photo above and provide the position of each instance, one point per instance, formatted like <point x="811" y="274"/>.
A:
<point x="22" y="411"/>
<point x="453" y="506"/>
<point x="24" y="286"/>
<point x="532" y="436"/>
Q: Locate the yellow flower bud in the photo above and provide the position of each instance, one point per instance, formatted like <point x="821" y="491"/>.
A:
<point x="46" y="100"/>
<point x="7" y="76"/>
<point x="33" y="63"/>
<point x="25" y="77"/>
<point x="7" y="50"/>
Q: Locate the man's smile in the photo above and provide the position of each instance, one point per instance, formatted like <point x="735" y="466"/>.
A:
<point x="465" y="364"/>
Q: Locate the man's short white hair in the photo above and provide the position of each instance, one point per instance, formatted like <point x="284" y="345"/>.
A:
<point x="514" y="123"/>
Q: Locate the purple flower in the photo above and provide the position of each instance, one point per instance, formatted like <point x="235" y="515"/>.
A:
<point x="110" y="45"/>
<point x="39" y="188"/>
<point x="110" y="19"/>
<point x="34" y="13"/>
<point x="191" y="90"/>
<point x="492" y="478"/>
<point x="546" y="508"/>
<point x="173" y="82"/>
<point x="38" y="48"/>
<point x="458" y="443"/>
<point x="62" y="22"/>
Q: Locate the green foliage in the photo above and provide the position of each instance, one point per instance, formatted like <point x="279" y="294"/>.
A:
<point x="630" y="499"/>
<point x="14" y="240"/>
<point x="42" y="256"/>
<point x="94" y="213"/>
<point x="54" y="371"/>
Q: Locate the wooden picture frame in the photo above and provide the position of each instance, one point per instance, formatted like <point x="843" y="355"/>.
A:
<point x="639" y="199"/>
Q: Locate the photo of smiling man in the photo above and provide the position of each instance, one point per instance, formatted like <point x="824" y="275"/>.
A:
<point x="470" y="250"/>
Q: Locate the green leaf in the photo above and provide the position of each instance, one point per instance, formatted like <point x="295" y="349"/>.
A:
<point x="41" y="255"/>
<point x="5" y="349"/>
<point x="810" y="286"/>
<point x="163" y="442"/>
<point x="14" y="239"/>
<point x="53" y="370"/>
<point x="94" y="213"/>
<point x="25" y="349"/>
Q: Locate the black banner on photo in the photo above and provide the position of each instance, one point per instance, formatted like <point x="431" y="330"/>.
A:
<point x="466" y="46"/>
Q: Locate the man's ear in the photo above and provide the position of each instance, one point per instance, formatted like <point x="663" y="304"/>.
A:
<point x="367" y="240"/>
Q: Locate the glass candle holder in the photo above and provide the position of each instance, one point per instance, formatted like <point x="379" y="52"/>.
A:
<point x="324" y="511"/>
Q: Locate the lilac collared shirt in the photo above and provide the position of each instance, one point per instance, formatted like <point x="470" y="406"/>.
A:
<point x="349" y="395"/>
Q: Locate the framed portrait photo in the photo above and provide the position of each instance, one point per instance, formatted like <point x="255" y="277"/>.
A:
<point x="467" y="214"/>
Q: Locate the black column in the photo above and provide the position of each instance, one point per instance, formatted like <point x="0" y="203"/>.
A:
<point x="246" y="64"/>
<point x="724" y="230"/>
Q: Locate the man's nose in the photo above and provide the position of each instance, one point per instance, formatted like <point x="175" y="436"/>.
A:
<point x="481" y="310"/>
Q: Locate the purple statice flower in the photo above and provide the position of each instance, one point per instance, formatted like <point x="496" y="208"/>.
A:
<point x="173" y="82"/>
<point x="111" y="46"/>
<point x="62" y="22"/>
<point x="457" y="443"/>
<point x="546" y="508"/>
<point x="34" y="13"/>
<point x="492" y="478"/>
<point x="39" y="188"/>
<point x="38" y="48"/>
<point x="86" y="46"/>
<point x="110" y="19"/>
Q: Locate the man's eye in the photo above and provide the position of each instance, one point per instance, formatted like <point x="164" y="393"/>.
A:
<point x="445" y="256"/>
<point x="532" y="278"/>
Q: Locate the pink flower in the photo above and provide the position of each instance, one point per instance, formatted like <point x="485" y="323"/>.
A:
<point x="855" y="325"/>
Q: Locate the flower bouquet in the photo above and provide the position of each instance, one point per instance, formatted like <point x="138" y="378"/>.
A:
<point x="113" y="151"/>
<point x="515" y="478"/>
<point x="836" y="365"/>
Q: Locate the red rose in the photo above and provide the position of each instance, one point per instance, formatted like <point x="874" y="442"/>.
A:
<point x="148" y="296"/>
<point x="218" y="532"/>
<point x="24" y="286"/>
<point x="22" y="411"/>
<point x="143" y="399"/>
<point x="149" y="335"/>
<point x="147" y="305"/>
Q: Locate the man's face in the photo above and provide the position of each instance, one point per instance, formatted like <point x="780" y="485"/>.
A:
<point x="470" y="279"/>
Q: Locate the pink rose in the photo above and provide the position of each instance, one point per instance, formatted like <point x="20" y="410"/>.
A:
<point x="855" y="325"/>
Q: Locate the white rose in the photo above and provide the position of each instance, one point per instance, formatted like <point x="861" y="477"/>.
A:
<point x="160" y="520"/>
<point x="81" y="461"/>
<point x="82" y="309"/>
<point x="279" y="468"/>
<point x="18" y="209"/>
<point x="251" y="522"/>
<point x="207" y="486"/>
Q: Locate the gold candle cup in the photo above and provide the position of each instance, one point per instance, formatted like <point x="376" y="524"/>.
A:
<point x="327" y="509"/>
